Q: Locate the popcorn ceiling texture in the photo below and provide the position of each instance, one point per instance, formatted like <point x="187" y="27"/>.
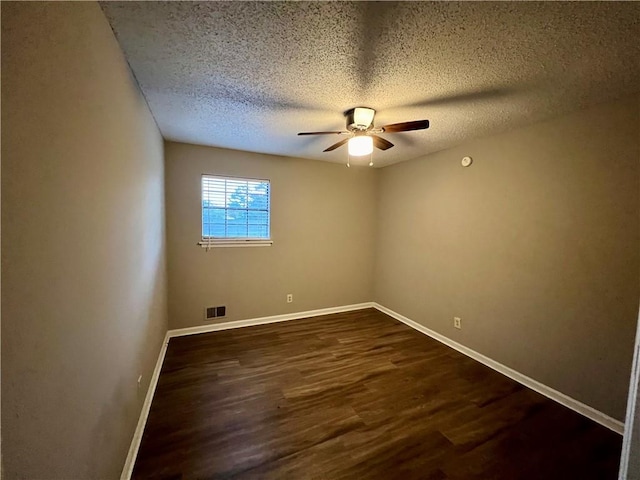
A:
<point x="250" y="75"/>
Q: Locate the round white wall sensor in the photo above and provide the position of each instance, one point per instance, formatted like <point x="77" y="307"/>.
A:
<point x="466" y="161"/>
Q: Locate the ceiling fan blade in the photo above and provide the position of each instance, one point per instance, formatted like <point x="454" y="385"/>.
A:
<point x="406" y="126"/>
<point x="322" y="133"/>
<point x="336" y="145"/>
<point x="381" y="143"/>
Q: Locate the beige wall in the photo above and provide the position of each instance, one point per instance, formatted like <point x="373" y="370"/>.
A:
<point x="83" y="275"/>
<point x="535" y="247"/>
<point x="322" y="225"/>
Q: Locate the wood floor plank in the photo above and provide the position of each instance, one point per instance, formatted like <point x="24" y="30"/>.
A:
<point x="353" y="396"/>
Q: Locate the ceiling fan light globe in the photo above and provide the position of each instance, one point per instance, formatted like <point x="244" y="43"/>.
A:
<point x="361" y="145"/>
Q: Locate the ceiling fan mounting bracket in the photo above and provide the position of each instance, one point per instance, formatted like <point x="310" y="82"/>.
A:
<point x="360" y="119"/>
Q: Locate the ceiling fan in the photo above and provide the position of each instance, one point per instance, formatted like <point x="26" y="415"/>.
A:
<point x="363" y="136"/>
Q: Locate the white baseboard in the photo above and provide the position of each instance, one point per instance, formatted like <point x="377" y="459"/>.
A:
<point x="215" y="327"/>
<point x="634" y="393"/>
<point x="142" y="421"/>
<point x="589" y="412"/>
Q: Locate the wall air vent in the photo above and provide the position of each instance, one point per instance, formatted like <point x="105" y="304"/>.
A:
<point x="214" y="312"/>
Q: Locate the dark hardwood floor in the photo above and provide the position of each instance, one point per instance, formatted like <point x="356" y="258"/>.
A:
<point x="355" y="396"/>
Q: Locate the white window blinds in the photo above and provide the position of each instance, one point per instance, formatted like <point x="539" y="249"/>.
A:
<point x="235" y="208"/>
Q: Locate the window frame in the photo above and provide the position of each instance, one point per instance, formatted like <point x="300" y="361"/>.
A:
<point x="208" y="242"/>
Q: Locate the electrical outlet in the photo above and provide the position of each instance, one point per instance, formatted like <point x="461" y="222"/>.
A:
<point x="456" y="322"/>
<point x="289" y="297"/>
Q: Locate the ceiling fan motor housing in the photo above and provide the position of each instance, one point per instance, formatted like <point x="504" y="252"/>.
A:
<point x="360" y="118"/>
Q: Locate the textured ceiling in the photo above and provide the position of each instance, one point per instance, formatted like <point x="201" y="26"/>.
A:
<point x="250" y="75"/>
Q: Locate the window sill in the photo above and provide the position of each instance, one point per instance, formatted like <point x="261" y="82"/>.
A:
<point x="235" y="243"/>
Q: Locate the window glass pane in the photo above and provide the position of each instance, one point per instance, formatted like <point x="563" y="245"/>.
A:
<point x="217" y="230"/>
<point x="234" y="231"/>
<point x="258" y="231"/>
<point x="237" y="217"/>
<point x="259" y="201"/>
<point x="216" y="215"/>
<point x="258" y="217"/>
<point x="236" y="194"/>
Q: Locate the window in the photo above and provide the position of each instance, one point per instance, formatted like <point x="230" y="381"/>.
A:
<point x="235" y="211"/>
